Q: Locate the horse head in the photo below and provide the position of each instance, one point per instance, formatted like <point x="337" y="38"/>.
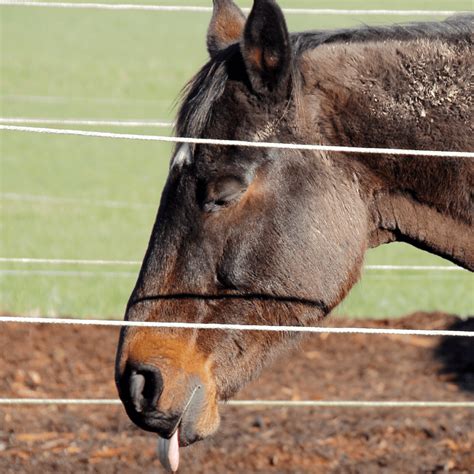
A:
<point x="261" y="235"/>
<point x="241" y="236"/>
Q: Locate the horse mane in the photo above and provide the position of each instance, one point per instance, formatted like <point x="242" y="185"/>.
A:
<point x="455" y="28"/>
<point x="207" y="86"/>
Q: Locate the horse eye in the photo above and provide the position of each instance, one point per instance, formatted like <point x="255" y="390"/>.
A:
<point x="223" y="192"/>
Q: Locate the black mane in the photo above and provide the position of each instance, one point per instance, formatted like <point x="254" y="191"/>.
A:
<point x="456" y="28"/>
<point x="207" y="86"/>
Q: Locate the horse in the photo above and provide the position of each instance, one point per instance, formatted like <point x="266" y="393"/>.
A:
<point x="278" y="236"/>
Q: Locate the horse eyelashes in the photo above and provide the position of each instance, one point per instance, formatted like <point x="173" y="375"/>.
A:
<point x="222" y="193"/>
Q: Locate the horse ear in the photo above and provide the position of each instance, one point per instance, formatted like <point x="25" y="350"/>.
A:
<point x="226" y="27"/>
<point x="266" y="48"/>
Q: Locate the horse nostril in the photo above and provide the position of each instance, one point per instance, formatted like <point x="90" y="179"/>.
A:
<point x="137" y="384"/>
<point x="145" y="386"/>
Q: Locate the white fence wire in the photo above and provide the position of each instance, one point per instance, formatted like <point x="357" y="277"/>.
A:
<point x="91" y="122"/>
<point x="67" y="261"/>
<point x="67" y="273"/>
<point x="257" y="403"/>
<point x="236" y="327"/>
<point x="111" y="204"/>
<point x="242" y="143"/>
<point x="208" y="9"/>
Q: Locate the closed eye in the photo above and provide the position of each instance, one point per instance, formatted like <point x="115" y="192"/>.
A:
<point x="222" y="193"/>
<point x="216" y="205"/>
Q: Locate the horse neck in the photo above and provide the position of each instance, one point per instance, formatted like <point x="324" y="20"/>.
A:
<point x="373" y="101"/>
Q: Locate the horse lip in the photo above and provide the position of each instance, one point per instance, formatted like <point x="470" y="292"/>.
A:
<point x="151" y="422"/>
<point x="188" y="403"/>
<point x="156" y="418"/>
<point x="183" y="439"/>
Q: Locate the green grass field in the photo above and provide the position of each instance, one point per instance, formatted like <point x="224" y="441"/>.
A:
<point x="87" y="64"/>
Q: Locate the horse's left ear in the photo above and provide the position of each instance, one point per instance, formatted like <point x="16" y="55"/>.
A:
<point x="226" y="27"/>
<point x="266" y="48"/>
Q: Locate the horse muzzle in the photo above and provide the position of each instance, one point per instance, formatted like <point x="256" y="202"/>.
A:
<point x="154" y="408"/>
<point x="167" y="386"/>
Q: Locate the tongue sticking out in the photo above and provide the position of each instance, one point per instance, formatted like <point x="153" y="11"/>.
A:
<point x="168" y="452"/>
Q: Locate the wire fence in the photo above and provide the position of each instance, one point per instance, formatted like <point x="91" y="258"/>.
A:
<point x="6" y="126"/>
<point x="340" y="404"/>
<point x="109" y="203"/>
<point x="91" y="122"/>
<point x="236" y="327"/>
<point x="242" y="143"/>
<point x="208" y="9"/>
<point x="67" y="273"/>
<point x="256" y="403"/>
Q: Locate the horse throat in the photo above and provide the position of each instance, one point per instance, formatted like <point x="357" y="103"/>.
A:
<point x="399" y="216"/>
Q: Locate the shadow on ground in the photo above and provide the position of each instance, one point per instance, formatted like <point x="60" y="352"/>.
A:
<point x="456" y="355"/>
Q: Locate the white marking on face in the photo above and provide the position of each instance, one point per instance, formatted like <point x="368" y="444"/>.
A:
<point x="183" y="156"/>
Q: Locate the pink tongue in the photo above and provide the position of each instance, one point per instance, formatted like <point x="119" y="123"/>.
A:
<point x="168" y="451"/>
<point x="173" y="452"/>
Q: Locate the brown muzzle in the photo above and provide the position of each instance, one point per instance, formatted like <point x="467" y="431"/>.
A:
<point x="164" y="383"/>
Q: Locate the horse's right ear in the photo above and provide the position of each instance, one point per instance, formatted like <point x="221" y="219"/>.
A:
<point x="226" y="27"/>
<point x="266" y="49"/>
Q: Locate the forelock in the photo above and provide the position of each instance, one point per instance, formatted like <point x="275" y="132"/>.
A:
<point x="201" y="94"/>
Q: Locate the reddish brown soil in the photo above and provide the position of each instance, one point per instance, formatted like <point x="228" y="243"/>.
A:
<point x="71" y="362"/>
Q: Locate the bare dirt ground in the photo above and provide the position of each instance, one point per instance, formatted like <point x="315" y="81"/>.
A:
<point x="70" y="362"/>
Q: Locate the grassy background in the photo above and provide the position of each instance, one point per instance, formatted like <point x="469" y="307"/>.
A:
<point x="131" y="65"/>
